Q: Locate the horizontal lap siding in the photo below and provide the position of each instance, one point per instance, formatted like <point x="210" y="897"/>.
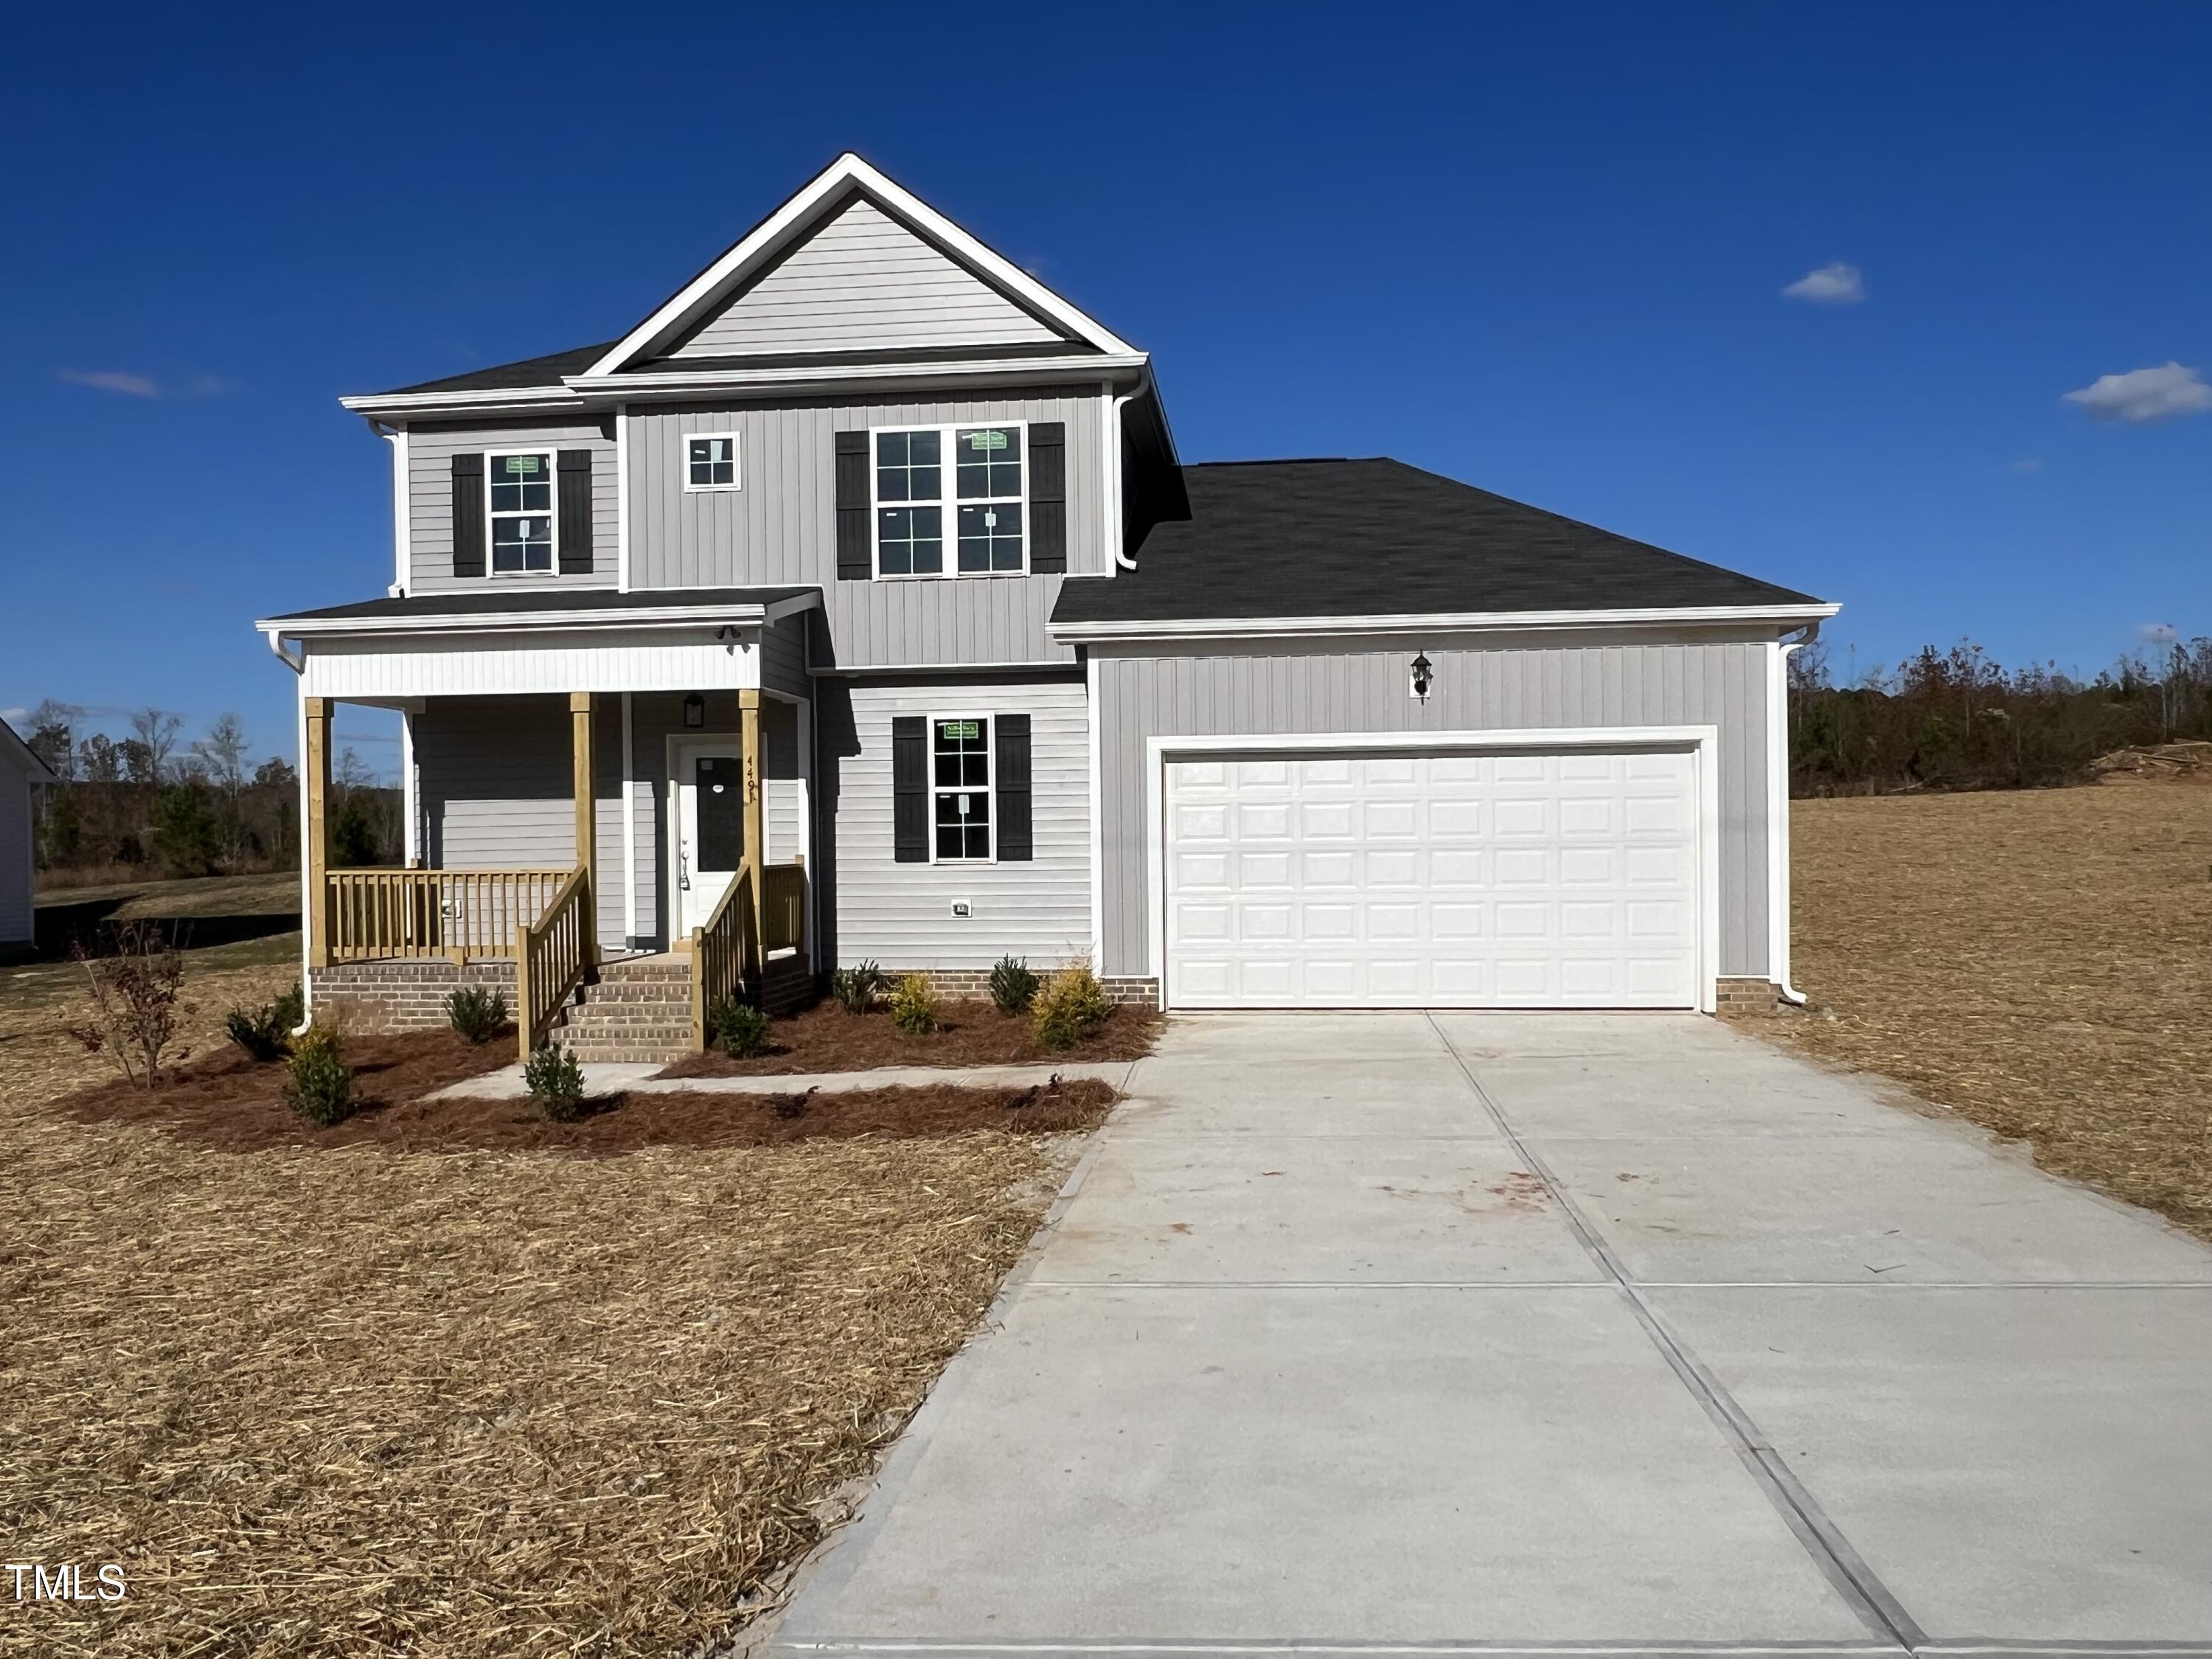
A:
<point x="780" y="527"/>
<point x="1289" y="690"/>
<point x="864" y="281"/>
<point x="430" y="452"/>
<point x="900" y="914"/>
<point x="15" y="896"/>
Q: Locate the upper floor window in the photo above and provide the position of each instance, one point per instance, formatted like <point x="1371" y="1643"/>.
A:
<point x="968" y="478"/>
<point x="521" y="507"/>
<point x="710" y="461"/>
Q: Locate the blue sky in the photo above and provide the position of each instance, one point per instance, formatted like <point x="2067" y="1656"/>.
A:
<point x="1541" y="249"/>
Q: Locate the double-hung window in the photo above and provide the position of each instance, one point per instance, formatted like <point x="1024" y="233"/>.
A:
<point x="964" y="480"/>
<point x="960" y="787"/>
<point x="520" y="504"/>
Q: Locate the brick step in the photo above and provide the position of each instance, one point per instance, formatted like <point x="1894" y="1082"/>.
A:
<point x="623" y="1027"/>
<point x="617" y="1055"/>
<point x="636" y="996"/>
<point x="647" y="973"/>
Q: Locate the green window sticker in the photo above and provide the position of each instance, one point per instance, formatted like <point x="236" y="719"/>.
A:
<point x="984" y="442"/>
<point x="522" y="463"/>
<point x="960" y="730"/>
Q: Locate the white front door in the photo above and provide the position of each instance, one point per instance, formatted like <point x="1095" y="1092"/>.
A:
<point x="1561" y="880"/>
<point x="710" y="825"/>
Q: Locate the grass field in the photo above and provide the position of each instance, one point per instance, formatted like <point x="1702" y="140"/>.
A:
<point x="2040" y="963"/>
<point x="378" y="1398"/>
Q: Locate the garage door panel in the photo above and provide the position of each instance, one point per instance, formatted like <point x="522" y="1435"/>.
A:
<point x="1457" y="879"/>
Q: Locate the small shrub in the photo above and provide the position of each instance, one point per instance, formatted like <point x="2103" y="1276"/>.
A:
<point x="136" y="999"/>
<point x="477" y="1013"/>
<point x="914" y="1005"/>
<point x="857" y="988"/>
<point x="262" y="1032"/>
<point x="1070" y="1007"/>
<point x="555" y="1082"/>
<point x="290" y="1010"/>
<point x="738" y="1028"/>
<point x="320" y="1086"/>
<point x="1013" y="986"/>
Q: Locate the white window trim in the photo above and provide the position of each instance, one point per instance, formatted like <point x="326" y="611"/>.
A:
<point x="736" y="464"/>
<point x="948" y="504"/>
<point x="990" y="790"/>
<point x="552" y="454"/>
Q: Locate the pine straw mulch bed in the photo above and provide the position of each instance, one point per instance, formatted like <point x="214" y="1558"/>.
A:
<point x="332" y="1398"/>
<point x="2039" y="962"/>
<point x="825" y="1038"/>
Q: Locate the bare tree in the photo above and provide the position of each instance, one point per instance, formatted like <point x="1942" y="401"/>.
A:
<point x="223" y="749"/>
<point x="53" y="736"/>
<point x="157" y="731"/>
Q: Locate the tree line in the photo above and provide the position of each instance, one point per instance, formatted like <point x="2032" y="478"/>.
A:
<point x="157" y="803"/>
<point x="1957" y="720"/>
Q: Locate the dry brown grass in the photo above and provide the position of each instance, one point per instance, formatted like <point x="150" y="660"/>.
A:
<point x="366" y="1399"/>
<point x="2039" y="962"/>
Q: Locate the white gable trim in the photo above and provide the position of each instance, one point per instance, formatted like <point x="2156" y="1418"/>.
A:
<point x="797" y="215"/>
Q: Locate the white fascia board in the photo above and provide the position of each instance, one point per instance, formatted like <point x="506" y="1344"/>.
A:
<point x="849" y="171"/>
<point x="1061" y="366"/>
<point x="1441" y="621"/>
<point x="558" y="622"/>
<point x="510" y="400"/>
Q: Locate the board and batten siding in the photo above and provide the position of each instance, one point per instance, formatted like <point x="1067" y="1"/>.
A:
<point x="779" y="526"/>
<point x="17" y="920"/>
<point x="430" y="452"/>
<point x="863" y="282"/>
<point x="901" y="915"/>
<point x="1294" y="688"/>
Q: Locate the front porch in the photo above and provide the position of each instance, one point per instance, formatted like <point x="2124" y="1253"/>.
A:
<point x="654" y="904"/>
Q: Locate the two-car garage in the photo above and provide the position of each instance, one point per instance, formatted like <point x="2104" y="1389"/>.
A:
<point x="1298" y="873"/>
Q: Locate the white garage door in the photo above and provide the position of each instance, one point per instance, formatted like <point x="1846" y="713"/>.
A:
<point x="1525" y="880"/>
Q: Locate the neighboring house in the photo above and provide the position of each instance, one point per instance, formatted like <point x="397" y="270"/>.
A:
<point x="20" y="768"/>
<point x="855" y="604"/>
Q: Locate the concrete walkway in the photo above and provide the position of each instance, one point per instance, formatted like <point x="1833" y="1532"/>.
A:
<point x="601" y="1080"/>
<point x="1523" y="1333"/>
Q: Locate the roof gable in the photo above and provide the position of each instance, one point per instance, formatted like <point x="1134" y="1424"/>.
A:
<point x="775" y="285"/>
<point x="861" y="281"/>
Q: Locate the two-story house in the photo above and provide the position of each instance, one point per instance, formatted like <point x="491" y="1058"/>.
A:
<point x="856" y="605"/>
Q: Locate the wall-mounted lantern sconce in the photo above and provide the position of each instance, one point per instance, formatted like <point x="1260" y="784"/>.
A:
<point x="1424" y="676"/>
<point x="695" y="712"/>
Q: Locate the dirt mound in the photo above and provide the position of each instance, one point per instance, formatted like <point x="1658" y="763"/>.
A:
<point x="2157" y="762"/>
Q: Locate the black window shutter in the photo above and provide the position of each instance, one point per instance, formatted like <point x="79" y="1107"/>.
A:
<point x="855" y="555"/>
<point x="573" y="471"/>
<point x="468" y="515"/>
<point x="1047" y="498"/>
<point x="910" y="789"/>
<point x="1015" y="840"/>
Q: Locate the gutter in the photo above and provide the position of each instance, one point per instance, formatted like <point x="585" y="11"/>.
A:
<point x="1431" y="622"/>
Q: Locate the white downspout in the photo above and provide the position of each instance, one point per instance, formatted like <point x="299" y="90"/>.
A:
<point x="1778" y="814"/>
<point x="306" y="911"/>
<point x="630" y="825"/>
<point x="1117" y="533"/>
<point x="403" y="526"/>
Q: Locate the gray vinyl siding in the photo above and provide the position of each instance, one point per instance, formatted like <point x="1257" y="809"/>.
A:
<point x="430" y="450"/>
<point x="779" y="526"/>
<point x="901" y="915"/>
<point x="15" y="895"/>
<point x="1289" y="689"/>
<point x="863" y="283"/>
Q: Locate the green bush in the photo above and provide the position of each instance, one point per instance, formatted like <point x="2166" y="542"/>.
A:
<point x="353" y="836"/>
<point x="290" y="1010"/>
<point x="738" y="1028"/>
<point x="1070" y="1007"/>
<point x="857" y="988"/>
<point x="476" y="1012"/>
<point x="555" y="1082"/>
<point x="1013" y="986"/>
<point x="263" y="1032"/>
<point x="185" y="833"/>
<point x="320" y="1086"/>
<point x="914" y="1005"/>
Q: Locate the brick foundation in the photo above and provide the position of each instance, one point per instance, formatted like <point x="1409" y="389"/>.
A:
<point x="375" y="997"/>
<point x="974" y="984"/>
<point x="1746" y="996"/>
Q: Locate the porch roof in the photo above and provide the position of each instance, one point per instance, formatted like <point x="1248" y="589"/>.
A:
<point x="543" y="607"/>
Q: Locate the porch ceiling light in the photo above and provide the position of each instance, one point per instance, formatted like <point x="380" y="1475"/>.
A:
<point x="695" y="711"/>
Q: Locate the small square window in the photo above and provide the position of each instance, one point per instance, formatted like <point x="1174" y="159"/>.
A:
<point x="710" y="461"/>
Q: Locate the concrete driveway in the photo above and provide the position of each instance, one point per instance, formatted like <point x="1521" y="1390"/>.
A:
<point x="1532" y="1332"/>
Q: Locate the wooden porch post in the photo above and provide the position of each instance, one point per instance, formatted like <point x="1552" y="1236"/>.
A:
<point x="587" y="822"/>
<point x="750" y="872"/>
<point x="315" y="844"/>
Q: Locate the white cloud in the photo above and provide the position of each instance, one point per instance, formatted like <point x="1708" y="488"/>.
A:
<point x="15" y="716"/>
<point x="2145" y="394"/>
<point x="2028" y="464"/>
<point x="1832" y="284"/>
<point x="113" y="380"/>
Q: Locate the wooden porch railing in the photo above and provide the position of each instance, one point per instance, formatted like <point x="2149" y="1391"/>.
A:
<point x="735" y="943"/>
<point x="458" y="914"/>
<point x="551" y="954"/>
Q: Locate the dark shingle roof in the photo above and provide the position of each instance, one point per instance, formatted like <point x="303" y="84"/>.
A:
<point x="1377" y="537"/>
<point x="501" y="600"/>
<point x="505" y="377"/>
